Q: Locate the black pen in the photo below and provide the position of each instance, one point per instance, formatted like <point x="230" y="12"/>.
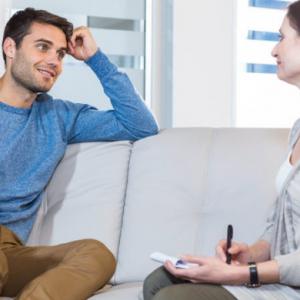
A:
<point x="228" y="243"/>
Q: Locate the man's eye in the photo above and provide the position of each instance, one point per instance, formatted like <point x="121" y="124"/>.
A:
<point x="61" y="54"/>
<point x="42" y="47"/>
<point x="280" y="37"/>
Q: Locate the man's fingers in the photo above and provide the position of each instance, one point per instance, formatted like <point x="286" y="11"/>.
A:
<point x="78" y="41"/>
<point x="79" y="34"/>
<point x="83" y="45"/>
<point x="70" y="48"/>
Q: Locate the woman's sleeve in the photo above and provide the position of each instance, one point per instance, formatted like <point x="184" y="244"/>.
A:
<point x="268" y="231"/>
<point x="289" y="268"/>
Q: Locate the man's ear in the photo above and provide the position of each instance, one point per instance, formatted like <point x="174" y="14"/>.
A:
<point x="9" y="47"/>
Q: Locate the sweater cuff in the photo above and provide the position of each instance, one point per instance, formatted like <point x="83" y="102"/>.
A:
<point x="289" y="268"/>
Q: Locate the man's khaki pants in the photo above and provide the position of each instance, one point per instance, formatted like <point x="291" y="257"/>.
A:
<point x="71" y="271"/>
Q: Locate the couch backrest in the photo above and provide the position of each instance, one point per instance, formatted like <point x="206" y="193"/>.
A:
<point x="180" y="190"/>
<point x="85" y="197"/>
<point x="186" y="185"/>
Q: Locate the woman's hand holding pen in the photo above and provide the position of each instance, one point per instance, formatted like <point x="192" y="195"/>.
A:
<point x="216" y="270"/>
<point x="229" y="266"/>
<point x="240" y="252"/>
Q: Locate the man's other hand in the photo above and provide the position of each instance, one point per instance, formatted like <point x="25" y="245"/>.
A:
<point x="82" y="44"/>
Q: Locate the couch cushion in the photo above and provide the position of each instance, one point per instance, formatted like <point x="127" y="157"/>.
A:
<point x="128" y="291"/>
<point x="85" y="196"/>
<point x="186" y="185"/>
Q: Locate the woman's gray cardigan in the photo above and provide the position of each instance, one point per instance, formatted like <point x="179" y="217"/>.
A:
<point x="283" y="227"/>
<point x="283" y="234"/>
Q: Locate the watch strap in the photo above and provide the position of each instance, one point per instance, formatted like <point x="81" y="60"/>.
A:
<point x="254" y="278"/>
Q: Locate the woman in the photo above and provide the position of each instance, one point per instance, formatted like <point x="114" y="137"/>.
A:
<point x="275" y="257"/>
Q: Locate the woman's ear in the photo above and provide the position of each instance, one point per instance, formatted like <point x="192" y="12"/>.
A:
<point x="9" y="47"/>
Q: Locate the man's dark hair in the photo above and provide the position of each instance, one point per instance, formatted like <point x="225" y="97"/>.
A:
<point x="19" y="25"/>
<point x="293" y="15"/>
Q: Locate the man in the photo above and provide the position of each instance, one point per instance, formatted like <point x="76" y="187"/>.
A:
<point x="34" y="132"/>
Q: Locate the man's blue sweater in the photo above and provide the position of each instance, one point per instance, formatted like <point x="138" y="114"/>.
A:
<point x="34" y="140"/>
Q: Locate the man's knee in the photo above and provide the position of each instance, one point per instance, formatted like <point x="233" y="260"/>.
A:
<point x="99" y="259"/>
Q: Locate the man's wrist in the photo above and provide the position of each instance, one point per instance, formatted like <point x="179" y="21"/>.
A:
<point x="100" y="64"/>
<point x="92" y="54"/>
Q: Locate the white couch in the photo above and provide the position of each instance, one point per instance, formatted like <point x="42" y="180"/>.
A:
<point x="174" y="192"/>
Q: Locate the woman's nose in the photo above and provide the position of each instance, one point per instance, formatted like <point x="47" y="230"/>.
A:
<point x="274" y="51"/>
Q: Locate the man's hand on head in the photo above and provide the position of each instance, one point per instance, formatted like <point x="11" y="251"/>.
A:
<point x="82" y="44"/>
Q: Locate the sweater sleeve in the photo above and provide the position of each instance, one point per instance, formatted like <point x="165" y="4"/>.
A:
<point x="294" y="134"/>
<point x="289" y="268"/>
<point x="268" y="231"/>
<point x="267" y="234"/>
<point x="289" y="264"/>
<point x="129" y="119"/>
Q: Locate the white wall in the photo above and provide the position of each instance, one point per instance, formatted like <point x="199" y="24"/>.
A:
<point x="161" y="61"/>
<point x="203" y="63"/>
<point x="4" y="10"/>
<point x="113" y="42"/>
<point x="201" y="90"/>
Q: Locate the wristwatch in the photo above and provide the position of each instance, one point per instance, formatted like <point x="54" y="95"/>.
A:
<point x="254" y="279"/>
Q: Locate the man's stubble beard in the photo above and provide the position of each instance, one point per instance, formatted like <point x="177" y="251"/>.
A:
<point x="23" y="77"/>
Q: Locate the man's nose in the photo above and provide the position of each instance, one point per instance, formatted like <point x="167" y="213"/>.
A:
<point x="53" y="59"/>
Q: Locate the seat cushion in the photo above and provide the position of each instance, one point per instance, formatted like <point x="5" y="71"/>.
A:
<point x="128" y="291"/>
